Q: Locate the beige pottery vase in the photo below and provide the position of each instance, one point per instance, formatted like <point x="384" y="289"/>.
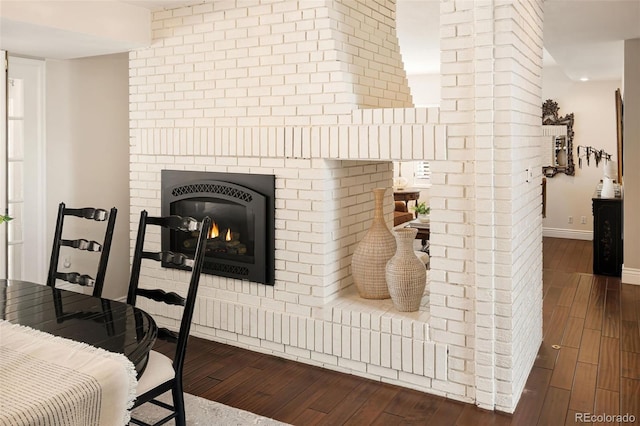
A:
<point x="376" y="248"/>
<point x="406" y="274"/>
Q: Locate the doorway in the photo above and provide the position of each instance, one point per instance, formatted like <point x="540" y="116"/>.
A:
<point x="24" y="242"/>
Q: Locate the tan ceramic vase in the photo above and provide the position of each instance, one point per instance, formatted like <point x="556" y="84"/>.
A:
<point x="376" y="248"/>
<point x="406" y="274"/>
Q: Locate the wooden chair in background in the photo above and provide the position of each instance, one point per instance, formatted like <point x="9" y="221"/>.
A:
<point x="104" y="247"/>
<point x="161" y="373"/>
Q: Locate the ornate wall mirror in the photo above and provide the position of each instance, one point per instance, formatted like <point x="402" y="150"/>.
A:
<point x="561" y="130"/>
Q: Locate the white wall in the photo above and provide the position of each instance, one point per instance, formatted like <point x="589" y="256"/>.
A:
<point x="425" y="91"/>
<point x="631" y="176"/>
<point x="88" y="151"/>
<point x="593" y="105"/>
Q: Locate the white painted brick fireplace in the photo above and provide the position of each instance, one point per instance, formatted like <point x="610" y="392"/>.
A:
<point x="314" y="92"/>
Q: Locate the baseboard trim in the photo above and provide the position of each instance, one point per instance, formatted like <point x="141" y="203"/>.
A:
<point x="630" y="276"/>
<point x="570" y="234"/>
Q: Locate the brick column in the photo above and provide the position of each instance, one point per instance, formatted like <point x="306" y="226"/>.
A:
<point x="487" y="229"/>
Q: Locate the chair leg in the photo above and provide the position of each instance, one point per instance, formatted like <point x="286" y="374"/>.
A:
<point x="178" y="404"/>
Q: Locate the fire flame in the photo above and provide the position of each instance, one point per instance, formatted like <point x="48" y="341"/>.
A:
<point x="214" y="231"/>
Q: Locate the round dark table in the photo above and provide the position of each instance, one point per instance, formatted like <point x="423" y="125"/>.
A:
<point x="107" y="324"/>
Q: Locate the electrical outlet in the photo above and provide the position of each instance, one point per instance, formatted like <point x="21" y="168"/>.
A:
<point x="570" y="219"/>
<point x="583" y="220"/>
<point x="529" y="174"/>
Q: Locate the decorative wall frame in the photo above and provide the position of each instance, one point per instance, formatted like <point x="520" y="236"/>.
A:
<point x="619" y="122"/>
<point x="563" y="145"/>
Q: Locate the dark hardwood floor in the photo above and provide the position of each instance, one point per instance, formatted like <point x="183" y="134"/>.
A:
<point x="594" y="320"/>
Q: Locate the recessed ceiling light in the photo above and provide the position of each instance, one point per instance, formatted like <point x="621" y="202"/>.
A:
<point x="584" y="79"/>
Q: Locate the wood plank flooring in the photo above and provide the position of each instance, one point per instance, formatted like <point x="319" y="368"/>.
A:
<point x="594" y="319"/>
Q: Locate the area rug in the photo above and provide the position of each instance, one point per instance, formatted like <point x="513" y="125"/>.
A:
<point x="202" y="412"/>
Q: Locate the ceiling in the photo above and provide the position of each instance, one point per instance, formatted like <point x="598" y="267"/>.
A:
<point x="583" y="37"/>
<point x="162" y="4"/>
<point x="586" y="37"/>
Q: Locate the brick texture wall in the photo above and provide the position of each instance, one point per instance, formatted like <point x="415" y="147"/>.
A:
<point x="487" y="293"/>
<point x="314" y="92"/>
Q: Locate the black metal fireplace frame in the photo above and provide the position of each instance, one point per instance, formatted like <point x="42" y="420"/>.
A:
<point x="254" y="191"/>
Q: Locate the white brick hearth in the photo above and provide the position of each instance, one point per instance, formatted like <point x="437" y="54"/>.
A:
<point x="314" y="92"/>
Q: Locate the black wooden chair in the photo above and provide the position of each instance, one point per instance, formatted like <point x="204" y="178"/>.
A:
<point x="104" y="247"/>
<point x="161" y="373"/>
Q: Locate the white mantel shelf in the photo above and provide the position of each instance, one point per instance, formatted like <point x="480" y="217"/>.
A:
<point x="384" y="134"/>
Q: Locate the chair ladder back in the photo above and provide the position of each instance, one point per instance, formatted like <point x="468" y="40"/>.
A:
<point x="98" y="215"/>
<point x="177" y="223"/>
<point x="55" y="250"/>
<point x="104" y="248"/>
<point x="136" y="264"/>
<point x="159" y="295"/>
<point x="82" y="244"/>
<point x="177" y="259"/>
<point x="180" y="338"/>
<point x="167" y="335"/>
<point x="187" y="315"/>
<point x="180" y="224"/>
<point x="75" y="278"/>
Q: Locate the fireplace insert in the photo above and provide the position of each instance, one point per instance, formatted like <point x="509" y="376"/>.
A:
<point x="241" y="243"/>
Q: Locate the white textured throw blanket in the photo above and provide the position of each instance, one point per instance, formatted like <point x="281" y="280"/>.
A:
<point x="49" y="380"/>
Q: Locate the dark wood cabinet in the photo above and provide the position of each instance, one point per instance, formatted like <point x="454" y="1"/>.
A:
<point x="607" y="234"/>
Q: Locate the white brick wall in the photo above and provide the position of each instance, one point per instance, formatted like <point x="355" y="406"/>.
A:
<point x="237" y="63"/>
<point x="491" y="61"/>
<point x="519" y="47"/>
<point x="314" y="93"/>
